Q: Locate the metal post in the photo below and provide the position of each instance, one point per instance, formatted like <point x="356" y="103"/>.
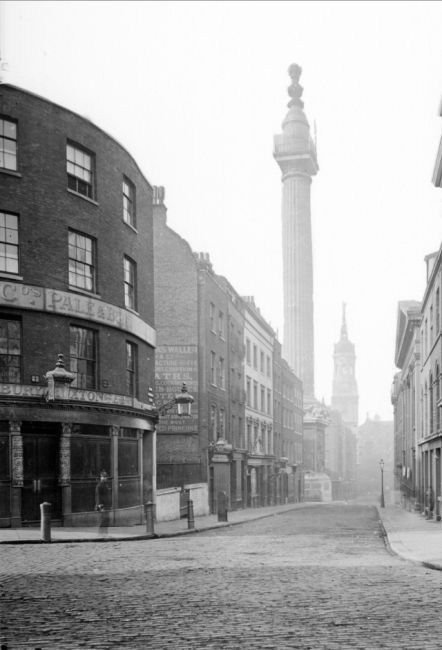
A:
<point x="45" y="521"/>
<point x="149" y="514"/>
<point x="222" y="506"/>
<point x="190" y="517"/>
<point x="382" y="488"/>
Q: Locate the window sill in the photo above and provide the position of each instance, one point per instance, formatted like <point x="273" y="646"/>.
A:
<point x="132" y="311"/>
<point x="82" y="196"/>
<point x="10" y="172"/>
<point x="85" y="292"/>
<point x="129" y="225"/>
<point x="11" y="276"/>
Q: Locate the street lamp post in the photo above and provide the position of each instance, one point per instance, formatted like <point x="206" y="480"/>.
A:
<point x="183" y="401"/>
<point x="381" y="465"/>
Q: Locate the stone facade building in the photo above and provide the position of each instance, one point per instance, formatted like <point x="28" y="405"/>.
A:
<point x="76" y="284"/>
<point x="430" y="439"/>
<point x="406" y="400"/>
<point x="416" y="391"/>
<point x="258" y="339"/>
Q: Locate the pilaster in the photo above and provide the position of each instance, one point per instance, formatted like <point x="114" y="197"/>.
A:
<point x="115" y="432"/>
<point x="65" y="469"/>
<point x="17" y="471"/>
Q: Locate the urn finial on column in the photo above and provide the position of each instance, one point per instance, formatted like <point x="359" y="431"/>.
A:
<point x="295" y="89"/>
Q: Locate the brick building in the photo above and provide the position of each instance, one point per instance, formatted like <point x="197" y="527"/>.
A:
<point x="200" y="329"/>
<point x="220" y="345"/>
<point x="76" y="279"/>
<point x="288" y="429"/>
<point x="181" y="458"/>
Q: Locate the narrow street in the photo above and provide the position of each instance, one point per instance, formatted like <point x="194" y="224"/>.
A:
<point x="290" y="581"/>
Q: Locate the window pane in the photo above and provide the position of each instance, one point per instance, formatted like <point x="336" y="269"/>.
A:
<point x="10" y="161"/>
<point x="10" y="147"/>
<point x="127" y="457"/>
<point x="13" y="329"/>
<point x="11" y="236"/>
<point x="8" y="144"/>
<point x="81" y="261"/>
<point x="11" y="266"/>
<point x="79" y="165"/>
<point x="82" y="357"/>
<point x="10" y="129"/>
<point x="10" y="351"/>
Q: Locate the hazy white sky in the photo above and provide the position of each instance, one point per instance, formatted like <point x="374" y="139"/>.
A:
<point x="196" y="91"/>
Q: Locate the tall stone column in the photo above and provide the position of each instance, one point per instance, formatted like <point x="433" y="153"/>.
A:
<point x="17" y="471"/>
<point x="295" y="154"/>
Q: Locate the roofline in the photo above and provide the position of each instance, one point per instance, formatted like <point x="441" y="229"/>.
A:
<point x="432" y="277"/>
<point x="85" y="119"/>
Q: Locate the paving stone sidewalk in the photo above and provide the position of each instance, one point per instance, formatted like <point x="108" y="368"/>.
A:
<point x="413" y="537"/>
<point x="162" y="529"/>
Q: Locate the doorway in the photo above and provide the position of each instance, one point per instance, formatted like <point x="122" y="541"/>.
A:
<point x="40" y="474"/>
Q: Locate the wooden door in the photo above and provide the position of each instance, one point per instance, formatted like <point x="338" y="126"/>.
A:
<point x="40" y="470"/>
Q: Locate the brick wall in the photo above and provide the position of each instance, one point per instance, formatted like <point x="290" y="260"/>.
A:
<point x="47" y="210"/>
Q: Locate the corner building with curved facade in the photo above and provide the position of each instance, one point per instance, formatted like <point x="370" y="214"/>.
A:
<point x="76" y="279"/>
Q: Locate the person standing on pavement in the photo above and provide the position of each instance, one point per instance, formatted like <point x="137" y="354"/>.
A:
<point x="103" y="502"/>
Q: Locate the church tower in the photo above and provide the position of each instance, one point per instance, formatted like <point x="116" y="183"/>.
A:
<point x="295" y="154"/>
<point x="345" y="396"/>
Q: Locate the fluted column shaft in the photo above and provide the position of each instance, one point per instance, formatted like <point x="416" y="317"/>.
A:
<point x="298" y="343"/>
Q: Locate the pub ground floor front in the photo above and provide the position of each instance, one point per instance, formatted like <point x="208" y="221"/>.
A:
<point x="57" y="455"/>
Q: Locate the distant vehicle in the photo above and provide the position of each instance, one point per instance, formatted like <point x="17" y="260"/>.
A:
<point x="317" y="487"/>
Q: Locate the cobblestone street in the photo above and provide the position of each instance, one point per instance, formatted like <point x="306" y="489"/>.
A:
<point x="320" y="579"/>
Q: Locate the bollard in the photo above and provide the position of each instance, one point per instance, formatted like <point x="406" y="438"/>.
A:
<point x="190" y="517"/>
<point x="222" y="506"/>
<point x="148" y="511"/>
<point x="45" y="521"/>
